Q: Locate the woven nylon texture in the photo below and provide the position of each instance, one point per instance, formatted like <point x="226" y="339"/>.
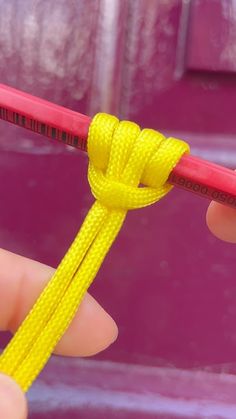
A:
<point x="121" y="156"/>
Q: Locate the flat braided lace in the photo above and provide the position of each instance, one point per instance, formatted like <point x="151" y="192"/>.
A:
<point x="121" y="157"/>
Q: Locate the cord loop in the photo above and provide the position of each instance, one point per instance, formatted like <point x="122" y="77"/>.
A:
<point x="122" y="156"/>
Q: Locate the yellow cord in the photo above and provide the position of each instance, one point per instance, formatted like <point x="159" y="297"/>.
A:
<point x="120" y="158"/>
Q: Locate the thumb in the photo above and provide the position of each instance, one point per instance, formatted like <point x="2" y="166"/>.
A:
<point x="12" y="400"/>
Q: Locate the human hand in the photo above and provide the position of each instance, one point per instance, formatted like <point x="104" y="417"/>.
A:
<point x="91" y="331"/>
<point x="21" y="281"/>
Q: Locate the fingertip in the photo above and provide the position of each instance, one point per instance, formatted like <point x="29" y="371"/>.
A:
<point x="91" y="331"/>
<point x="12" y="399"/>
<point x="221" y="221"/>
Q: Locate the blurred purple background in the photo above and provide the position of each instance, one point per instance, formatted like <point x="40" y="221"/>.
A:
<point x="168" y="65"/>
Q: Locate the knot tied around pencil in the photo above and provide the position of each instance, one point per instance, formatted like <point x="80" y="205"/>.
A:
<point x="121" y="157"/>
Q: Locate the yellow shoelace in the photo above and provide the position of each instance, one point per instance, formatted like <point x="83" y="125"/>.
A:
<point x="121" y="157"/>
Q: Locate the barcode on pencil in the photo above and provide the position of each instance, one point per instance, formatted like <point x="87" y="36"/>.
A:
<point x="41" y="128"/>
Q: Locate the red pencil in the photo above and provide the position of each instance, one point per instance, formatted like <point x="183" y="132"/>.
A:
<point x="192" y="173"/>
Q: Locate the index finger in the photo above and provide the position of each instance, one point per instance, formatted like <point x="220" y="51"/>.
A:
<point x="22" y="280"/>
<point x="221" y="220"/>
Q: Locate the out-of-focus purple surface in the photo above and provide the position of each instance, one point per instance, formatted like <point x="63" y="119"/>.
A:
<point x="168" y="282"/>
<point x="91" y="390"/>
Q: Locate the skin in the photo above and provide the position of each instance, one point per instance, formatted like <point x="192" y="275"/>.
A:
<point x="91" y="331"/>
